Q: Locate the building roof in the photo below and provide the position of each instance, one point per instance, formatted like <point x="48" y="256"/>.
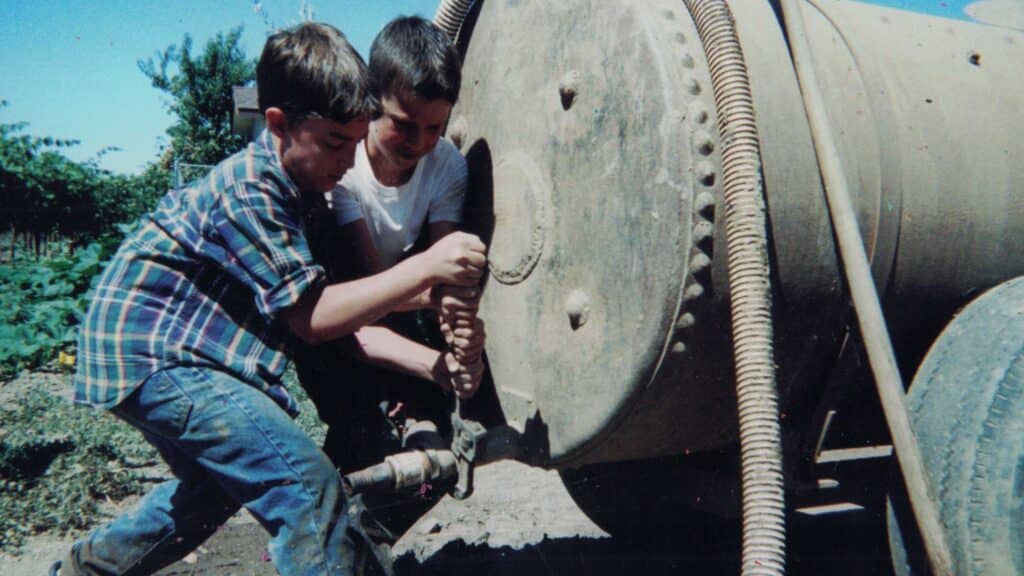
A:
<point x="246" y="99"/>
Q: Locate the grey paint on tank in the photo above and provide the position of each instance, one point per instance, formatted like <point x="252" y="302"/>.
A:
<point x="591" y="132"/>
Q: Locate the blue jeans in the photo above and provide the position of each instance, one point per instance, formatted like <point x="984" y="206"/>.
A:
<point x="229" y="445"/>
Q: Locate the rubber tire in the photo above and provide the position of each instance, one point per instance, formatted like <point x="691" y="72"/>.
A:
<point x="650" y="502"/>
<point x="967" y="407"/>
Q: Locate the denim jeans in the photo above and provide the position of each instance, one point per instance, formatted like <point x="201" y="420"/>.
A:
<point x="229" y="445"/>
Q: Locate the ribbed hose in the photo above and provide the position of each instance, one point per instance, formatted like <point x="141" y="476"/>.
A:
<point x="764" y="520"/>
<point x="764" y="524"/>
<point x="450" y="15"/>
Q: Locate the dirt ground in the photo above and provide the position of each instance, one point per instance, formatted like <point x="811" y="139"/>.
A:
<point x="522" y="521"/>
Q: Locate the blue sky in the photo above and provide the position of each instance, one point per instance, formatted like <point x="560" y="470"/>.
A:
<point x="68" y="67"/>
<point x="945" y="8"/>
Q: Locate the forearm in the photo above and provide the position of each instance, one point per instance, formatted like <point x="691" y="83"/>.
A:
<point x="423" y="300"/>
<point x="341" y="309"/>
<point x="383" y="347"/>
<point x="420" y="301"/>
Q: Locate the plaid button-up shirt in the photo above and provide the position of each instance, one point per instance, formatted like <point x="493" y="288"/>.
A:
<point x="202" y="282"/>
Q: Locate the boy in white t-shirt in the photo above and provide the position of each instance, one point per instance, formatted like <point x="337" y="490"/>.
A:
<point x="407" y="185"/>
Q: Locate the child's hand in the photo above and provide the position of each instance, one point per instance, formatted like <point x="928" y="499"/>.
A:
<point x="456" y="301"/>
<point x="465" y="379"/>
<point x="458" y="258"/>
<point x="466" y="339"/>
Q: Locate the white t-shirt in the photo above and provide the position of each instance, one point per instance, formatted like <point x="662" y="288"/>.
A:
<point x="396" y="214"/>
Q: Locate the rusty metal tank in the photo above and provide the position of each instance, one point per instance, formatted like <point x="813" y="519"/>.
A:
<point x="591" y="131"/>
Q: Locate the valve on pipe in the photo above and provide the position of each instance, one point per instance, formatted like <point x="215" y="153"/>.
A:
<point x="474" y="445"/>
<point x="401" y="471"/>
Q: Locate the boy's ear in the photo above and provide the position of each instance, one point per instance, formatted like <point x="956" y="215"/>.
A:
<point x="277" y="121"/>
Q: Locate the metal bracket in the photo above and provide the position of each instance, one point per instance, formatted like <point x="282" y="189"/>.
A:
<point x="473" y="445"/>
<point x="467" y="437"/>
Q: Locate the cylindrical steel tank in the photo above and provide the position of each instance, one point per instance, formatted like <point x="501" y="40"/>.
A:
<point x="591" y="132"/>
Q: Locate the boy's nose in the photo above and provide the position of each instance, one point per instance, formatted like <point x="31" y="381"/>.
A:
<point x="348" y="161"/>
<point x="415" y="139"/>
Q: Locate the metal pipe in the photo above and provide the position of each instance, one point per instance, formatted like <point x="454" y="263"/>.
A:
<point x="401" y="471"/>
<point x="764" y="517"/>
<point x="865" y="298"/>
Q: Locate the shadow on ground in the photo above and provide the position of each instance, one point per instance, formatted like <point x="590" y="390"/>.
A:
<point x="852" y="544"/>
<point x="564" y="556"/>
<point x="839" y="545"/>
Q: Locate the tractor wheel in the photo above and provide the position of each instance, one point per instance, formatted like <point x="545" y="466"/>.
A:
<point x="967" y="408"/>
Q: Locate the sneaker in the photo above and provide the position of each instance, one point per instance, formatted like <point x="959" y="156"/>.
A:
<point x="55" y="569"/>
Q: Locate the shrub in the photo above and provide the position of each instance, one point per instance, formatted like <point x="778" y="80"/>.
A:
<point x="41" y="305"/>
<point x="58" y="462"/>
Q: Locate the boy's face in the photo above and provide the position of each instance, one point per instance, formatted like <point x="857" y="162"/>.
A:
<point x="407" y="129"/>
<point x="317" y="152"/>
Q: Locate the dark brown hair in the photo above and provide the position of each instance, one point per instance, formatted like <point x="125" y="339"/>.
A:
<point x="311" y="70"/>
<point x="413" y="55"/>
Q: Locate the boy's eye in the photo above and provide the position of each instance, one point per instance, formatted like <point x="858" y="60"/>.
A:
<point x="333" y="147"/>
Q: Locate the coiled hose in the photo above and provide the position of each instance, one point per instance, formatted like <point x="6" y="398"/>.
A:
<point x="764" y="525"/>
<point x="450" y="15"/>
<point x="764" y="520"/>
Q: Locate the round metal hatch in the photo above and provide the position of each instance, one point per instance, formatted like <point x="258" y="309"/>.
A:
<point x="588" y="130"/>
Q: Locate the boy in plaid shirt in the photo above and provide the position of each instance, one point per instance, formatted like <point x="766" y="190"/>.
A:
<point x="193" y="321"/>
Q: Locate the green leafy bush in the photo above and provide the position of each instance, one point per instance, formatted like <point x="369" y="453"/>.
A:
<point x="43" y="192"/>
<point x="58" y="462"/>
<point x="41" y="305"/>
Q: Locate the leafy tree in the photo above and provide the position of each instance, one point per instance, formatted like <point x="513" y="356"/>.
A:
<point x="201" y="97"/>
<point x="44" y="192"/>
<point x="37" y="182"/>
